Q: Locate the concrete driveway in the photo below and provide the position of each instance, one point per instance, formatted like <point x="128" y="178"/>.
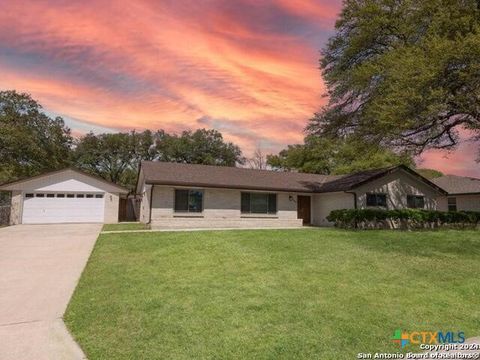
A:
<point x="40" y="266"/>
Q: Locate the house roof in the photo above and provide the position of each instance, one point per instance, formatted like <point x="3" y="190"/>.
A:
<point x="164" y="173"/>
<point x="176" y="174"/>
<point x="457" y="185"/>
<point x="13" y="184"/>
<point x="352" y="181"/>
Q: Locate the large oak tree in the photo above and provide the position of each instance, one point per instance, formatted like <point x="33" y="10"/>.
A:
<point x="198" y="147"/>
<point x="116" y="156"/>
<point x="328" y="156"/>
<point x="403" y="73"/>
<point x="31" y="142"/>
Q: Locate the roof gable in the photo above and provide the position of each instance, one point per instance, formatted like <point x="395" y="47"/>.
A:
<point x="64" y="180"/>
<point x="355" y="180"/>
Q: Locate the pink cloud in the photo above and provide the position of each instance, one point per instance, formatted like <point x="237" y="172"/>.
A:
<point x="459" y="162"/>
<point x="252" y="66"/>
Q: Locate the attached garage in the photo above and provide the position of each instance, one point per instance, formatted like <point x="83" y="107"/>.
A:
<point x="66" y="196"/>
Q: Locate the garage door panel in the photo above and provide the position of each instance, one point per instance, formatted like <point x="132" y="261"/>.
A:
<point x="38" y="210"/>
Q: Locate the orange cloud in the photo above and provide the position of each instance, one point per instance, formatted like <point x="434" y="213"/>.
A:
<point x="248" y="68"/>
<point x="138" y="65"/>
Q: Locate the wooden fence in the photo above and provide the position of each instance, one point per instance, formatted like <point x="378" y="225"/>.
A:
<point x="4" y="215"/>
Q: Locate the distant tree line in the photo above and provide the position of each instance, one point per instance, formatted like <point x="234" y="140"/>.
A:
<point x="31" y="142"/>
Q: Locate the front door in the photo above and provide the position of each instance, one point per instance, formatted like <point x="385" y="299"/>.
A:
<point x="303" y="209"/>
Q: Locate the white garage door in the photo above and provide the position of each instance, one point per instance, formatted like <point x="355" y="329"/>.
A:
<point x="43" y="208"/>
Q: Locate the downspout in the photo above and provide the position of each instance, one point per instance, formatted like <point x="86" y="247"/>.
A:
<point x="151" y="201"/>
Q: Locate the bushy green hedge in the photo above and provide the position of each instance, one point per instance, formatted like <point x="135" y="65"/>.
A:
<point x="402" y="218"/>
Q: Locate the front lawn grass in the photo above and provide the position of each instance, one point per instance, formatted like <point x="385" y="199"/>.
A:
<point x="125" y="226"/>
<point x="272" y="294"/>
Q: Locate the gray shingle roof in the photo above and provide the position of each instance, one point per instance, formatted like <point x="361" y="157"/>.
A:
<point x="351" y="181"/>
<point x="164" y="173"/>
<point x="458" y="184"/>
<point x="230" y="177"/>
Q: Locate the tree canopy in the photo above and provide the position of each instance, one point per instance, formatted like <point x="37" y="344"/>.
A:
<point x="430" y="173"/>
<point x="30" y="141"/>
<point x="116" y="157"/>
<point x="403" y="73"/>
<point x="327" y="156"/>
<point x="198" y="147"/>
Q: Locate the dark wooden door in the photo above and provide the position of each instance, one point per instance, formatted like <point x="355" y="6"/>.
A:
<point x="303" y="209"/>
<point x="122" y="210"/>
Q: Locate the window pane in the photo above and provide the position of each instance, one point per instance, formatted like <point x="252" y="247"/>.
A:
<point x="181" y="200"/>
<point x="259" y="203"/>
<point x="195" y="201"/>
<point x="99" y="196"/>
<point x="60" y="195"/>
<point x="80" y="195"/>
<point x="382" y="200"/>
<point x="50" y="195"/>
<point x="452" y="204"/>
<point x="39" y="195"/>
<point x="245" y="206"/>
<point x="29" y="195"/>
<point x="371" y="200"/>
<point x="452" y="201"/>
<point x="70" y="195"/>
<point x="410" y="201"/>
<point x="420" y="202"/>
<point x="272" y="203"/>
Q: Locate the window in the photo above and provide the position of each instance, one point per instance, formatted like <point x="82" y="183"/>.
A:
<point x="99" y="196"/>
<point x="452" y="204"/>
<point x="70" y="195"/>
<point x="50" y="195"/>
<point x="259" y="203"/>
<point x="29" y="195"/>
<point x="80" y="195"/>
<point x="188" y="201"/>
<point x="39" y="195"/>
<point x="415" y="202"/>
<point x="60" y="195"/>
<point x="377" y="200"/>
<point x="89" y="196"/>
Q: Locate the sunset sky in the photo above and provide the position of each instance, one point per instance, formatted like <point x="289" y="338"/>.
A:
<point x="248" y="68"/>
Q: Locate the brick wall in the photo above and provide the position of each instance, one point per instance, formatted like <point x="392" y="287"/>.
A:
<point x="221" y="210"/>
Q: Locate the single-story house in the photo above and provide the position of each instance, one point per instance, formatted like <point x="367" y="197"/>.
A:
<point x="64" y="196"/>
<point x="463" y="193"/>
<point x="201" y="196"/>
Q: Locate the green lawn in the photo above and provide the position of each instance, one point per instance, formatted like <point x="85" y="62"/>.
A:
<point x="272" y="294"/>
<point x="125" y="226"/>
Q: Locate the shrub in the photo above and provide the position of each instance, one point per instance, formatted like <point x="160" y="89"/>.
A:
<point x="402" y="218"/>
